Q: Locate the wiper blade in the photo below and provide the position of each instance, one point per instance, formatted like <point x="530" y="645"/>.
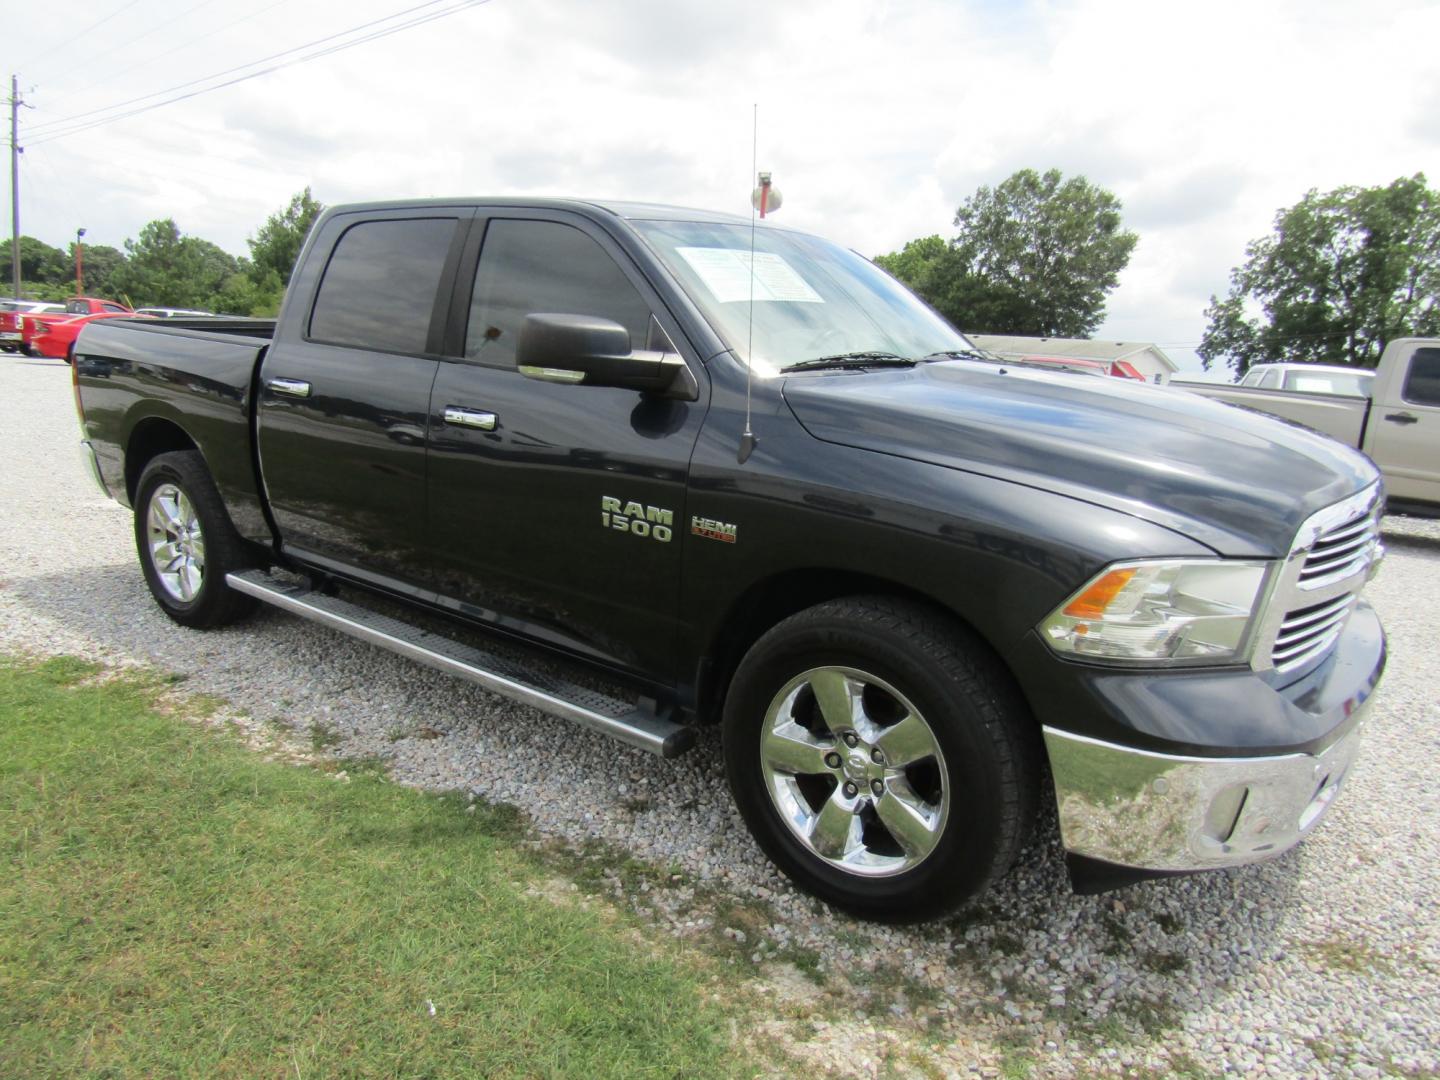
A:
<point x="850" y="359"/>
<point x="961" y="354"/>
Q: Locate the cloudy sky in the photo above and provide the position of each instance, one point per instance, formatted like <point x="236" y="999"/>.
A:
<point x="877" y="118"/>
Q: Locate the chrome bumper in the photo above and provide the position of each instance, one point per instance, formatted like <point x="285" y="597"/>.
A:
<point x="92" y="466"/>
<point x="1152" y="811"/>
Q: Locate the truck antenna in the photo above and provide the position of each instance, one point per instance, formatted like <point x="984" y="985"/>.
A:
<point x="748" y="440"/>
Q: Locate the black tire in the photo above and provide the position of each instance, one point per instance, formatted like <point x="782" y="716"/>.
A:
<point x="987" y="754"/>
<point x="70" y="355"/>
<point x="194" y="596"/>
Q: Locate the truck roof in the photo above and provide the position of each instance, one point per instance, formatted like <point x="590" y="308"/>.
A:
<point x="619" y="208"/>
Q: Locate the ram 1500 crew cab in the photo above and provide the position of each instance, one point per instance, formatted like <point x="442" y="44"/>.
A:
<point x="917" y="589"/>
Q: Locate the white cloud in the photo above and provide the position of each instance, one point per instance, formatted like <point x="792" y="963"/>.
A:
<point x="878" y="117"/>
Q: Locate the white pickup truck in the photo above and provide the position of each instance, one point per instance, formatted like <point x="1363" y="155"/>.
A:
<point x="1398" y="426"/>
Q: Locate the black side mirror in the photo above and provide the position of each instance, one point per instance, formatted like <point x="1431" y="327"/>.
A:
<point x="593" y="351"/>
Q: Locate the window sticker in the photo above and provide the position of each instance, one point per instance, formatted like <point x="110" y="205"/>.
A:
<point x="726" y="273"/>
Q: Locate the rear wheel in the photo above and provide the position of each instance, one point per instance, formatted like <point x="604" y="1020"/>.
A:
<point x="881" y="757"/>
<point x="187" y="544"/>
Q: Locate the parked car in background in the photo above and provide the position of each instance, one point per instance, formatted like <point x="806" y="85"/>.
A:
<point x="12" y="311"/>
<point x="33" y="325"/>
<point x="1311" y="379"/>
<point x="57" y="340"/>
<point x="172" y="312"/>
<point x="1394" y="415"/>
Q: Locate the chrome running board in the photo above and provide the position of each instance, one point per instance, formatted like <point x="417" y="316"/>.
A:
<point x="631" y="723"/>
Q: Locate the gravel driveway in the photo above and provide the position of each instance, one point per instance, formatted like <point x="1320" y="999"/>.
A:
<point x="1325" y="962"/>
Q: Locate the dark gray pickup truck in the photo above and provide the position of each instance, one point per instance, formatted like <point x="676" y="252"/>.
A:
<point x="752" y="481"/>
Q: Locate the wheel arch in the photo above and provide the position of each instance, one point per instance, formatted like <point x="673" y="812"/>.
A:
<point x="149" y="438"/>
<point x="775" y="598"/>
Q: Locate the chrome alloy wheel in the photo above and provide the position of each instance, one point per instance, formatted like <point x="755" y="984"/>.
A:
<point x="177" y="546"/>
<point x="855" y="771"/>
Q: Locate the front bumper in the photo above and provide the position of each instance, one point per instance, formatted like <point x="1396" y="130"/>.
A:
<point x="1127" y="808"/>
<point x="1148" y="811"/>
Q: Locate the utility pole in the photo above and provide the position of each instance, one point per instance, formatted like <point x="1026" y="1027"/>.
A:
<point x="15" y="104"/>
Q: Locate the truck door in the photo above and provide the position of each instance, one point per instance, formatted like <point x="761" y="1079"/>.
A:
<point x="345" y="390"/>
<point x="558" y="510"/>
<point x="1404" y="429"/>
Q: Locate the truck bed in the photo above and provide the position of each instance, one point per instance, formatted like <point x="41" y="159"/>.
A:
<point x="134" y="373"/>
<point x="1337" y="415"/>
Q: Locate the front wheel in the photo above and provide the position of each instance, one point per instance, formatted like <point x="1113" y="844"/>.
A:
<point x="880" y="756"/>
<point x="187" y="543"/>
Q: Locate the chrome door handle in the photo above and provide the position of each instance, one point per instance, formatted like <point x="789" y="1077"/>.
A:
<point x="471" y="418"/>
<point x="293" y="387"/>
<point x="1403" y="418"/>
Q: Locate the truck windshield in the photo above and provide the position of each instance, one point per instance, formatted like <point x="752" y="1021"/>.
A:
<point x="812" y="299"/>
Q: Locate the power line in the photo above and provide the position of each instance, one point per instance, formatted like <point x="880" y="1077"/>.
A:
<point x="57" y="129"/>
<point x="46" y="128"/>
<point x="70" y="39"/>
<point x="229" y="71"/>
<point x="116" y="47"/>
<point x="182" y="45"/>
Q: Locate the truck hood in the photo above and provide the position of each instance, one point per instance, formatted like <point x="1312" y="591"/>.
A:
<point x="1236" y="481"/>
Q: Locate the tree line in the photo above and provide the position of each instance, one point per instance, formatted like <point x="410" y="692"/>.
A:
<point x="1342" y="273"/>
<point x="163" y="267"/>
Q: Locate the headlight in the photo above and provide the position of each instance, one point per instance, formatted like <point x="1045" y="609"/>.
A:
<point x="1171" y="611"/>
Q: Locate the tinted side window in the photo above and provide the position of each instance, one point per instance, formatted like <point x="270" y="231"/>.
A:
<point x="1422" y="384"/>
<point x="379" y="288"/>
<point x="530" y="267"/>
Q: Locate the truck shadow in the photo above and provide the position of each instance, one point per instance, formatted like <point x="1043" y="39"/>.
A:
<point x="1128" y="964"/>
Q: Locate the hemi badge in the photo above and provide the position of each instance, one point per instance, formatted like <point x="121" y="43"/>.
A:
<point x="712" y="529"/>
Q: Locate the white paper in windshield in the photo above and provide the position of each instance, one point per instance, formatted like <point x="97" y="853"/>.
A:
<point x="726" y="273"/>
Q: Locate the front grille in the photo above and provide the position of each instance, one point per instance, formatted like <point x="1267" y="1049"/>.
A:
<point x="1340" y="552"/>
<point x="1322" y="581"/>
<point x="1310" y="631"/>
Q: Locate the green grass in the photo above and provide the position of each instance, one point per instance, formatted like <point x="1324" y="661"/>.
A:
<point x="172" y="904"/>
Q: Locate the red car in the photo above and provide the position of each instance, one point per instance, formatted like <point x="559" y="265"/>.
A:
<point x="58" y="339"/>
<point x="12" y="311"/>
<point x="33" y="325"/>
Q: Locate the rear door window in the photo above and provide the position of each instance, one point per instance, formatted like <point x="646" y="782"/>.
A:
<point x="1422" y="383"/>
<point x="379" y="287"/>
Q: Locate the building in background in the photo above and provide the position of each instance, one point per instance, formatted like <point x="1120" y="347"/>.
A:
<point x="1149" y="360"/>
